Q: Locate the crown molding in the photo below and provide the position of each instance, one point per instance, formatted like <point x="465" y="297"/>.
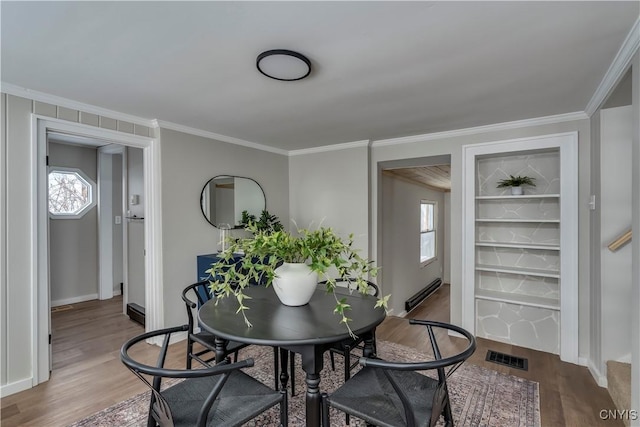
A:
<point x="567" y="117"/>
<point x="332" y="147"/>
<point x="34" y="95"/>
<point x="218" y="137"/>
<point x="616" y="70"/>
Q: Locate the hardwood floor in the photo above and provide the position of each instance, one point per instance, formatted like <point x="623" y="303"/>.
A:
<point x="88" y="375"/>
<point x="569" y="396"/>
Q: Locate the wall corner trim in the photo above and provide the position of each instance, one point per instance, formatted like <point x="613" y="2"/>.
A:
<point x="617" y="69"/>
<point x="332" y="147"/>
<point x="34" y="95"/>
<point x="219" y="137"/>
<point x="538" y="121"/>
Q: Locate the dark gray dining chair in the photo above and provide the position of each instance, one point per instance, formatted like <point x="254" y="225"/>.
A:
<point x="194" y="296"/>
<point x="392" y="393"/>
<point x="220" y="395"/>
<point x="346" y="346"/>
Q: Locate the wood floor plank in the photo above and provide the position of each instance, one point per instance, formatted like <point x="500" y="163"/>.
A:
<point x="88" y="375"/>
<point x="569" y="396"/>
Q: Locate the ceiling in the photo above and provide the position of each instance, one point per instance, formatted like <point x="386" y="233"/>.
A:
<point x="380" y="69"/>
<point x="436" y="177"/>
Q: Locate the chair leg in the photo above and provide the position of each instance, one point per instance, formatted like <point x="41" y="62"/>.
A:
<point x="347" y="372"/>
<point x="292" y="372"/>
<point x="276" y="367"/>
<point x="333" y="361"/>
<point x="325" y="410"/>
<point x="446" y="412"/>
<point x="189" y="352"/>
<point x="284" y="409"/>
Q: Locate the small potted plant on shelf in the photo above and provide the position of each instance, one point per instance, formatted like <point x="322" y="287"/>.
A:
<point x="516" y="183"/>
<point x="292" y="264"/>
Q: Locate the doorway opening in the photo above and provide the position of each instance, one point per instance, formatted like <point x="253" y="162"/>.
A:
<point x="414" y="222"/>
<point x="151" y="243"/>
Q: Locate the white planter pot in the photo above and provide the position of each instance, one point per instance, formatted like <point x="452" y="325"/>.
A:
<point x="516" y="191"/>
<point x="295" y="283"/>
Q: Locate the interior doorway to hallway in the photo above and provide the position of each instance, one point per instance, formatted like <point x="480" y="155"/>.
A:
<point x="151" y="241"/>
<point x="414" y="228"/>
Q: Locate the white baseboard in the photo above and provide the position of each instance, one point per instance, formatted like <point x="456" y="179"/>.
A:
<point x="601" y="379"/>
<point x="16" y="387"/>
<point x="624" y="359"/>
<point x="117" y="292"/>
<point x="583" y="361"/>
<point x="456" y="334"/>
<point x="175" y="337"/>
<point x="81" y="298"/>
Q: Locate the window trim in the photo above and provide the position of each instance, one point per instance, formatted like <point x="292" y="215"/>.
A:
<point x="93" y="193"/>
<point x="428" y="261"/>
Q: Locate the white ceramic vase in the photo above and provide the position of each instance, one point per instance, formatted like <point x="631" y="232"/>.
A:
<point x="516" y="191"/>
<point x="295" y="283"/>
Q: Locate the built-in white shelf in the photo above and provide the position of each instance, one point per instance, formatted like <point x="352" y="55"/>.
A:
<point x="524" y="196"/>
<point x="519" y="299"/>
<point x="519" y="245"/>
<point x="537" y="272"/>
<point x="533" y="236"/>
<point x="520" y="220"/>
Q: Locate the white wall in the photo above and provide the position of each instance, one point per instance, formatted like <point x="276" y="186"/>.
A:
<point x="635" y="293"/>
<point x="73" y="254"/>
<point x="18" y="276"/>
<point x="16" y="307"/>
<point x="332" y="188"/>
<point x="118" y="276"/>
<point x="3" y="240"/>
<point x="616" y="143"/>
<point x="135" y="237"/>
<point x="446" y="222"/>
<point x="453" y="146"/>
<point x="188" y="162"/>
<point x="402" y="273"/>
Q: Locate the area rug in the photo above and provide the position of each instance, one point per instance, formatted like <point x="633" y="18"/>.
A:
<point x="480" y="396"/>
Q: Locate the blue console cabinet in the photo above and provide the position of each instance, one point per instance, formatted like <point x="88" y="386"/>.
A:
<point x="205" y="261"/>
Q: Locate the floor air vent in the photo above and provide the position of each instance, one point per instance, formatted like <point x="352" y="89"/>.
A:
<point x="507" y="360"/>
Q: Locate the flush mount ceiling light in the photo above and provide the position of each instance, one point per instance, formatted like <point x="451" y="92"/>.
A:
<point x="282" y="64"/>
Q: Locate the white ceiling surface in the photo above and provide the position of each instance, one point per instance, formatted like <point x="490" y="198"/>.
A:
<point x="380" y="69"/>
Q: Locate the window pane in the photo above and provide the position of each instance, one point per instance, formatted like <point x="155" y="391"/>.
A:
<point x="69" y="193"/>
<point x="426" y="216"/>
<point x="427" y="246"/>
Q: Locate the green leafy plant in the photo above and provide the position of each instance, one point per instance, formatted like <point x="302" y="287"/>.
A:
<point x="267" y="222"/>
<point x="516" y="181"/>
<point x="323" y="250"/>
<point x="247" y="218"/>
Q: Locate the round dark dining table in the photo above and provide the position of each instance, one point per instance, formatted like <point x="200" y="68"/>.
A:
<point x="308" y="330"/>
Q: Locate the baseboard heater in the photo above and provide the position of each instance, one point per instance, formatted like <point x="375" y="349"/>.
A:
<point x="422" y="294"/>
<point x="135" y="313"/>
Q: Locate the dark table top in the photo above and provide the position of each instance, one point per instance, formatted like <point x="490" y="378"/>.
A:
<point x="275" y="324"/>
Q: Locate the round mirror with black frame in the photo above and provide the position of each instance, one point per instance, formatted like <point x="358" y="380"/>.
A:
<point x="225" y="197"/>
